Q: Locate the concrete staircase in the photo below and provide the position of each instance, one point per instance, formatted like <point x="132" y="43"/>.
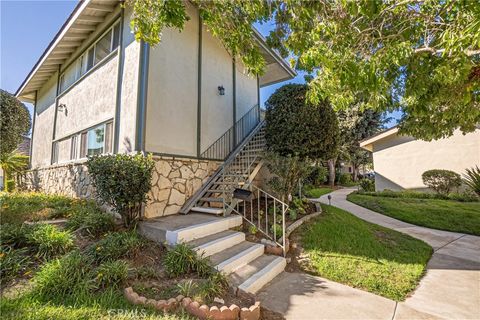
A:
<point x="245" y="263"/>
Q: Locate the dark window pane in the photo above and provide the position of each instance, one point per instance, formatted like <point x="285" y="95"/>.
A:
<point x="90" y="59"/>
<point x="102" y="48"/>
<point x="116" y="36"/>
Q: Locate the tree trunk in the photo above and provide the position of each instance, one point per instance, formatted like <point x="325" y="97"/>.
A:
<point x="355" y="172"/>
<point x="331" y="172"/>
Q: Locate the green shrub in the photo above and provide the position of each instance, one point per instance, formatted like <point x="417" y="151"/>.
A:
<point x="214" y="286"/>
<point x="68" y="275"/>
<point x="367" y="185"/>
<point x="187" y="288"/>
<point x="115" y="246"/>
<point x="252" y="229"/>
<point x="10" y="185"/>
<point x="182" y="259"/>
<point x="464" y="197"/>
<point x="122" y="181"/>
<point x="111" y="273"/>
<point x="292" y="214"/>
<point x="276" y="231"/>
<point x="317" y="192"/>
<point x="442" y="181"/>
<point x="345" y="179"/>
<point x="15" y="235"/>
<point x="49" y="241"/>
<point x="472" y="179"/>
<point x="91" y="222"/>
<point x="318" y="176"/>
<point x="13" y="262"/>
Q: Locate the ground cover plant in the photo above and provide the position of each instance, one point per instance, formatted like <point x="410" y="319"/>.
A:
<point x="316" y="192"/>
<point x="346" y="249"/>
<point x="450" y="215"/>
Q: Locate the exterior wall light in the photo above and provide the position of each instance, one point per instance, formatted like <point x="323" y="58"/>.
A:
<point x="221" y="90"/>
<point x="62" y="107"/>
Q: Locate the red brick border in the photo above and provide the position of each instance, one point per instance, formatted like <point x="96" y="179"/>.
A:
<point x="195" y="309"/>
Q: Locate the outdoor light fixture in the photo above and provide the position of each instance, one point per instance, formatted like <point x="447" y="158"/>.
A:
<point x="329" y="200"/>
<point x="62" y="107"/>
<point x="221" y="90"/>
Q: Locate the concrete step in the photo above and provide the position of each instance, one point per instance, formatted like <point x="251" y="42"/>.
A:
<point x="184" y="228"/>
<point x="237" y="256"/>
<point x="211" y="199"/>
<point x="217" y="242"/>
<point x="256" y="274"/>
<point x="215" y="211"/>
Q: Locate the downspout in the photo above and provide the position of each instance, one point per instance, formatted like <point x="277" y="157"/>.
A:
<point x="55" y="114"/>
<point x="116" y="120"/>
<point x="142" y="97"/>
<point x="199" y="88"/>
<point x="234" y="103"/>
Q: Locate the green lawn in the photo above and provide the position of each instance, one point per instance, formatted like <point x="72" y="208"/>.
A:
<point x="432" y="213"/>
<point x="317" y="192"/>
<point x="346" y="249"/>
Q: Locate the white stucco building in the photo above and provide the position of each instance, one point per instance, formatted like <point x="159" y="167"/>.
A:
<point x="96" y="90"/>
<point x="399" y="161"/>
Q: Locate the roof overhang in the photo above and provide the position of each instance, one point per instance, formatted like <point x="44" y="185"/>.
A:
<point x="367" y="144"/>
<point x="277" y="70"/>
<point x="85" y="18"/>
<point x="79" y="25"/>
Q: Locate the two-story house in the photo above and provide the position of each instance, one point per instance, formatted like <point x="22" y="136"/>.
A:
<point x="96" y="90"/>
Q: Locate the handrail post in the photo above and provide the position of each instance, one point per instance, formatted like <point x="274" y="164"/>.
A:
<point x="283" y="230"/>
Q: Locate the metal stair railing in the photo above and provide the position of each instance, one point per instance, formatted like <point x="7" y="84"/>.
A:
<point x="192" y="201"/>
<point x="265" y="212"/>
<point x="223" y="146"/>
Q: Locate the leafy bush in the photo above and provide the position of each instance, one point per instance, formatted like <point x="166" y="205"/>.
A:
<point x="318" y="176"/>
<point x="287" y="173"/>
<point x="13" y="262"/>
<point x="316" y="192"/>
<point x="277" y="231"/>
<point x="442" y="181"/>
<point x="15" y="235"/>
<point x="292" y="214"/>
<point x="345" y="179"/>
<point x="111" y="274"/>
<point x="182" y="259"/>
<point x="464" y="197"/>
<point x="91" y="222"/>
<point x="252" y="229"/>
<point x="122" y="181"/>
<point x="49" y="241"/>
<point x="295" y="126"/>
<point x="472" y="179"/>
<point x="367" y="185"/>
<point x="187" y="288"/>
<point x="214" y="286"/>
<point x="116" y="245"/>
<point x="68" y="275"/>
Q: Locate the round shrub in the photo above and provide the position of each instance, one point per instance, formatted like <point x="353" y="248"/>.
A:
<point x="367" y="185"/>
<point x="442" y="181"/>
<point x="122" y="181"/>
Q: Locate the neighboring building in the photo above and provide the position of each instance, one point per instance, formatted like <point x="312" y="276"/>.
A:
<point x="399" y="161"/>
<point x="96" y="90"/>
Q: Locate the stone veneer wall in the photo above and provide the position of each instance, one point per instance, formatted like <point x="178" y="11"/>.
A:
<point x="174" y="181"/>
<point x="67" y="179"/>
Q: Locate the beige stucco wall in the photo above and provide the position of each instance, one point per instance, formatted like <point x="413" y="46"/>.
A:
<point x="400" y="161"/>
<point x="43" y="124"/>
<point x="173" y="91"/>
<point x="246" y="88"/>
<point x="129" y="86"/>
<point x="90" y="101"/>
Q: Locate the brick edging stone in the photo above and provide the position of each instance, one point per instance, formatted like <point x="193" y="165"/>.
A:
<point x="194" y="308"/>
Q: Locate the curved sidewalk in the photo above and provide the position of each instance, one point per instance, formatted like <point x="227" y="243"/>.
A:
<point x="451" y="287"/>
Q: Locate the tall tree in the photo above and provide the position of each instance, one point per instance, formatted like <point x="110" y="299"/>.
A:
<point x="421" y="55"/>
<point x="296" y="127"/>
<point x="15" y="122"/>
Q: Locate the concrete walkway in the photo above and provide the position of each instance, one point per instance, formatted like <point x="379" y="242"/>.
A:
<point x="449" y="290"/>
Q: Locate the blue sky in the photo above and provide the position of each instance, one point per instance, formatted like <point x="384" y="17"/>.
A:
<point x="26" y="29"/>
